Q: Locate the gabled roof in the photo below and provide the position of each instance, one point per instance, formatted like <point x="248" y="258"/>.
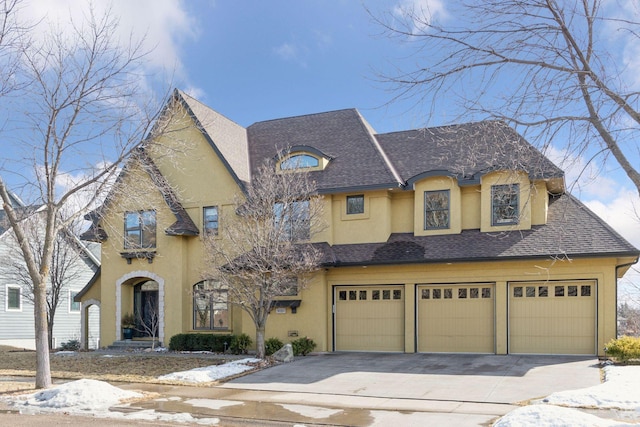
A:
<point x="184" y="225"/>
<point x="572" y="231"/>
<point x="465" y="152"/>
<point x="356" y="160"/>
<point x="17" y="203"/>
<point x="227" y="138"/>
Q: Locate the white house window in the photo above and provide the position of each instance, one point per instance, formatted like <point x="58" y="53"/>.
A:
<point x="355" y="204"/>
<point x="210" y="215"/>
<point x="210" y="306"/>
<point x="292" y="220"/>
<point x="140" y="230"/>
<point x="436" y="210"/>
<point x="299" y="161"/>
<point x="504" y="204"/>
<point x="14" y="298"/>
<point x="74" y="307"/>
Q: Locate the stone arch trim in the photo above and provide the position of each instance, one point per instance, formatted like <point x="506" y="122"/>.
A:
<point x="133" y="275"/>
<point x="84" y="324"/>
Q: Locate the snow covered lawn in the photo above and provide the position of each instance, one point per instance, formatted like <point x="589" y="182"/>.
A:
<point x="621" y="390"/>
<point x="212" y="373"/>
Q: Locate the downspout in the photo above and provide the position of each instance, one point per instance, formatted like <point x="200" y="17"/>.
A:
<point x="617" y="267"/>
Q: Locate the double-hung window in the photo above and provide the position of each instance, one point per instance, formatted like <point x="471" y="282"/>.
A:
<point x="140" y="230"/>
<point x="436" y="209"/>
<point x="291" y="220"/>
<point x="210" y="215"/>
<point x="14" y="298"/>
<point x="74" y="306"/>
<point x="210" y="306"/>
<point x="505" y="204"/>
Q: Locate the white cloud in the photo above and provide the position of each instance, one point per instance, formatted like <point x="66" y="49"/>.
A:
<point x="164" y="25"/>
<point x="421" y="12"/>
<point x="293" y="52"/>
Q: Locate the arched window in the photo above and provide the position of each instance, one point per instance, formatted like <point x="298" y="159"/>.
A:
<point x="210" y="306"/>
<point x="299" y="161"/>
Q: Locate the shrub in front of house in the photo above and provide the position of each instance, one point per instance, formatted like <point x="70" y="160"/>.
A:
<point x="71" y="345"/>
<point x="272" y="345"/>
<point x="240" y="344"/>
<point x="303" y="346"/>
<point x="624" y="349"/>
<point x="200" y="342"/>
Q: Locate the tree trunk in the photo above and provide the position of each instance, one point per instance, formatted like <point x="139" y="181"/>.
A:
<point x="43" y="369"/>
<point x="260" y="329"/>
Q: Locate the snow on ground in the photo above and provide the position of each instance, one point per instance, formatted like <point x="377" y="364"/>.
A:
<point x="212" y="373"/>
<point x="619" y="391"/>
<point x="552" y="416"/>
<point x="83" y="395"/>
<point x="94" y="398"/>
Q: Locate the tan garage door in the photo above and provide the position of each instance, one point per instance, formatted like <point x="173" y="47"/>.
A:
<point x="456" y="318"/>
<point x="369" y="318"/>
<point x="552" y="317"/>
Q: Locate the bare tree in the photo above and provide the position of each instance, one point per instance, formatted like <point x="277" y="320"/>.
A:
<point x="80" y="111"/>
<point x="544" y="65"/>
<point x="66" y="256"/>
<point x="149" y="321"/>
<point x="263" y="251"/>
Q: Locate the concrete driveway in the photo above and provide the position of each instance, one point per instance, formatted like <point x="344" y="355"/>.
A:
<point x="416" y="389"/>
<point x="380" y="389"/>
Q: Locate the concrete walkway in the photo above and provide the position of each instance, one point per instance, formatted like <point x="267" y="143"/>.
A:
<point x="375" y="389"/>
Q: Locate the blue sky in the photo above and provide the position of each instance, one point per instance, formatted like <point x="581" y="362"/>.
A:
<point x="255" y="60"/>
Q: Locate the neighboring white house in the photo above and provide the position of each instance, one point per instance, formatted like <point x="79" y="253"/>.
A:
<point x="16" y="307"/>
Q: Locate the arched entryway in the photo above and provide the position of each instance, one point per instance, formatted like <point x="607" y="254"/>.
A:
<point x="90" y="324"/>
<point x="141" y="294"/>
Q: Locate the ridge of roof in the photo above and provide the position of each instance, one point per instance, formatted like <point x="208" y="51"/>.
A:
<point x="300" y="116"/>
<point x="227" y="138"/>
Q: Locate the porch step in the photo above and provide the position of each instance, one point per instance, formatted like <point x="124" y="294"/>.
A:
<point x="129" y="345"/>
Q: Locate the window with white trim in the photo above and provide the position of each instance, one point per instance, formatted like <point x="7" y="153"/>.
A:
<point x="74" y="307"/>
<point x="13" y="298"/>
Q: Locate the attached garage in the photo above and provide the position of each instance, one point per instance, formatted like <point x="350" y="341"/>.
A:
<point x="456" y="318"/>
<point x="554" y="317"/>
<point x="369" y="318"/>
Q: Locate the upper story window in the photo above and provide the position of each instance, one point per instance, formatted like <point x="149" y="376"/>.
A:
<point x="292" y="220"/>
<point x="355" y="204"/>
<point x="210" y="306"/>
<point x="74" y="306"/>
<point x="210" y="216"/>
<point x="436" y="209"/>
<point x="505" y="204"/>
<point x="140" y="230"/>
<point x="14" y="298"/>
<point x="299" y="161"/>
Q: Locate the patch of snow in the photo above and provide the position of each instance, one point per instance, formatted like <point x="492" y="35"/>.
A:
<point x="211" y="373"/>
<point x="83" y="395"/>
<point x="311" y="411"/>
<point x="65" y="353"/>
<point x="213" y="404"/>
<point x="553" y="416"/>
<point x="619" y="391"/>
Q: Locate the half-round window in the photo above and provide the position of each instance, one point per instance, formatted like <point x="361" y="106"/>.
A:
<point x="299" y="161"/>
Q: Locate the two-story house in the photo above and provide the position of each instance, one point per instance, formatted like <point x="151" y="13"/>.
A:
<point x="75" y="263"/>
<point x="450" y="239"/>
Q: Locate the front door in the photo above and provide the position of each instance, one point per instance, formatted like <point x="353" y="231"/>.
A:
<point x="145" y="298"/>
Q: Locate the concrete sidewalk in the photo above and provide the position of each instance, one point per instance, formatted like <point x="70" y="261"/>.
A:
<point x="375" y="389"/>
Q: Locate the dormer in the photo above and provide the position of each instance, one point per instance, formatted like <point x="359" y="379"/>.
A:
<point x="437" y="206"/>
<point x="302" y="157"/>
<point x="505" y="201"/>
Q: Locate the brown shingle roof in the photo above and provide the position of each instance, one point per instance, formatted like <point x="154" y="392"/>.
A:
<point x="465" y="151"/>
<point x="342" y="135"/>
